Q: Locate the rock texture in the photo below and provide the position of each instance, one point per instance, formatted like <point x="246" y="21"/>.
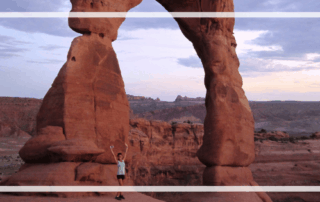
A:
<point x="87" y="99"/>
<point x="103" y="26"/>
<point x="19" y="113"/>
<point x="229" y="124"/>
<point x="11" y="130"/>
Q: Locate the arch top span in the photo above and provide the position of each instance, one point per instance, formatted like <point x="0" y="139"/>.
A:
<point x="107" y="26"/>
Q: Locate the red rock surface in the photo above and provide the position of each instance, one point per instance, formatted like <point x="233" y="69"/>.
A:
<point x="229" y="122"/>
<point x="104" y="26"/>
<point x="228" y="126"/>
<point x="11" y="130"/>
<point x="19" y="113"/>
<point x="85" y="111"/>
<point x="156" y="162"/>
<point x="83" y="102"/>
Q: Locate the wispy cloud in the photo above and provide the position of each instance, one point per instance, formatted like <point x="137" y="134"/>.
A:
<point x="9" y="46"/>
<point x="49" y="61"/>
<point x="51" y="47"/>
<point x="192" y="61"/>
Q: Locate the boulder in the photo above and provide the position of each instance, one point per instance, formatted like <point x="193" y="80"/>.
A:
<point x="35" y="149"/>
<point x="75" y="150"/>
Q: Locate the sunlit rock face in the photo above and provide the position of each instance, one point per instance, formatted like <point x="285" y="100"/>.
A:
<point x="103" y="26"/>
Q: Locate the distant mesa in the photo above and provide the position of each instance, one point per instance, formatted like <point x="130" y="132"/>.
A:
<point x="141" y="98"/>
<point x="185" y="98"/>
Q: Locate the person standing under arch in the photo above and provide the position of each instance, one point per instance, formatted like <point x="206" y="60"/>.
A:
<point x="121" y="169"/>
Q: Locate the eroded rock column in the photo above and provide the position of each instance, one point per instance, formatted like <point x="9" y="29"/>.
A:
<point x="86" y="109"/>
<point x="228" y="142"/>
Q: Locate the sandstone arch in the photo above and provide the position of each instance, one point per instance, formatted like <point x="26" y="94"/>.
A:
<point x="86" y="108"/>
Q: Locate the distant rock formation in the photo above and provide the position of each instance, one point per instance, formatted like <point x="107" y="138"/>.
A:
<point x="11" y="130"/>
<point x="185" y="98"/>
<point x="20" y="112"/>
<point x="275" y="134"/>
<point x="316" y="135"/>
<point x="140" y="98"/>
<point x="196" y="113"/>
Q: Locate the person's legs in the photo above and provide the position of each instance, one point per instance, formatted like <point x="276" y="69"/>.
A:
<point x="121" y="196"/>
<point x="120" y="183"/>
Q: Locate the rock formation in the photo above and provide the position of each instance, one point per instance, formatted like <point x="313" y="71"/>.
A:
<point x="11" y="130"/>
<point x="316" y="135"/>
<point x="229" y="124"/>
<point x="228" y="142"/>
<point x="20" y="113"/>
<point x="86" y="109"/>
<point x="185" y="98"/>
<point x="274" y="134"/>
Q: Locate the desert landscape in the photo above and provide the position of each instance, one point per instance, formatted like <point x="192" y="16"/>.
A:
<point x="222" y="139"/>
<point x="164" y="153"/>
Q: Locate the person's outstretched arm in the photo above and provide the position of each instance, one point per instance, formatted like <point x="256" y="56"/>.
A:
<point x="125" y="154"/>
<point x="111" y="147"/>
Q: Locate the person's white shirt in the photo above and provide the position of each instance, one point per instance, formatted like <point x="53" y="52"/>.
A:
<point x="121" y="168"/>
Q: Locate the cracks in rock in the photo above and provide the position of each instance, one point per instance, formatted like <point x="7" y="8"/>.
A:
<point x="195" y="136"/>
<point x="200" y="6"/>
<point x="75" y="171"/>
<point x="95" y="109"/>
<point x="173" y="129"/>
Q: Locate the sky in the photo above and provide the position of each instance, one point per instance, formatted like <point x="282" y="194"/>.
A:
<point x="279" y="58"/>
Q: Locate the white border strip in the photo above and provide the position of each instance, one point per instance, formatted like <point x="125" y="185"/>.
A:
<point x="160" y="188"/>
<point x="160" y="14"/>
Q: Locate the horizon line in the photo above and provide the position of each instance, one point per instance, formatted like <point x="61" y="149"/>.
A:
<point x="159" y="14"/>
<point x="4" y="96"/>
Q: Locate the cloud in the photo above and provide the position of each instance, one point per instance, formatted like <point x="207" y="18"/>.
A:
<point x="272" y="65"/>
<point x="9" y="46"/>
<point x="192" y="61"/>
<point x="32" y="6"/>
<point x="48" y="61"/>
<point x="277" y="6"/>
<point x="54" y="26"/>
<point x="296" y="36"/>
<point x="51" y="47"/>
